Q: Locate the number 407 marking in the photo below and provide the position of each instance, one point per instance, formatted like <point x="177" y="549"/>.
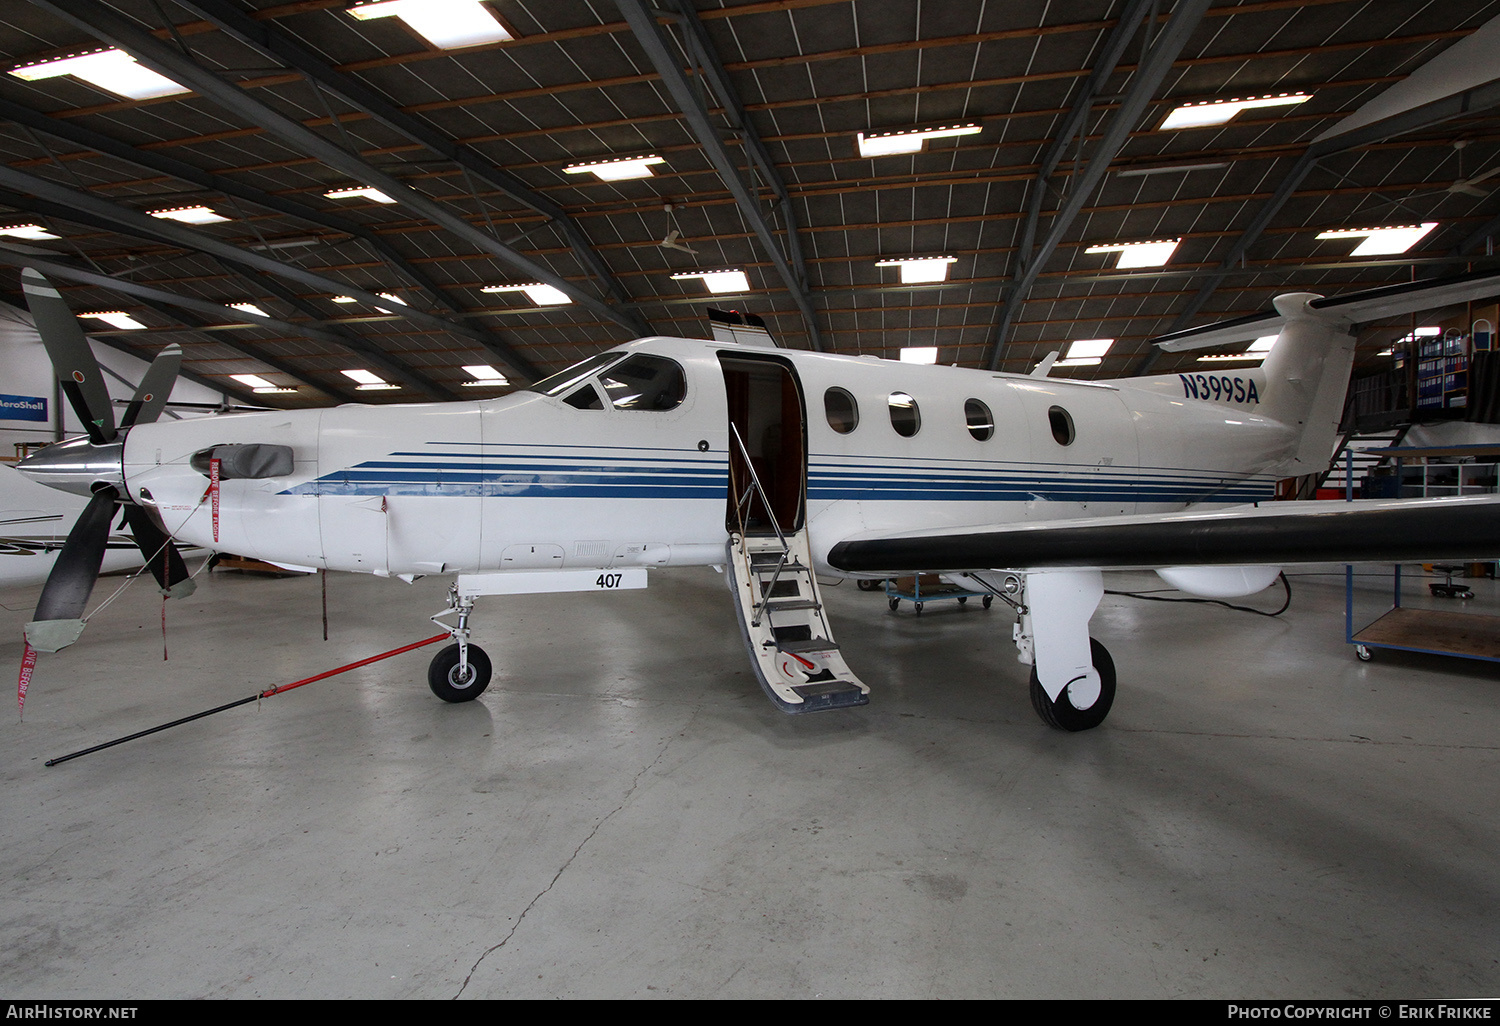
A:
<point x="609" y="580"/>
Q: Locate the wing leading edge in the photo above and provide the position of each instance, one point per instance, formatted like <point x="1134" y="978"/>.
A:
<point x="1398" y="530"/>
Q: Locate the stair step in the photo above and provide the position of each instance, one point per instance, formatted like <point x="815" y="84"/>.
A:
<point x="815" y="645"/>
<point x="787" y="605"/>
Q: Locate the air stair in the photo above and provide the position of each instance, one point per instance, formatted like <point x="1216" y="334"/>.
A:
<point x="781" y="614"/>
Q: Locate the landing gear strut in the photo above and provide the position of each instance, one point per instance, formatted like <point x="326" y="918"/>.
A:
<point x="460" y="672"/>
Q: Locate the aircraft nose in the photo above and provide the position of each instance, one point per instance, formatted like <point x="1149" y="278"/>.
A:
<point x="77" y="465"/>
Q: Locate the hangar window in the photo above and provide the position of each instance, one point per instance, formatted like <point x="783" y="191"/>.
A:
<point x="645" y="382"/>
<point x="981" y="423"/>
<point x="905" y="417"/>
<point x="1062" y="425"/>
<point x="841" y="409"/>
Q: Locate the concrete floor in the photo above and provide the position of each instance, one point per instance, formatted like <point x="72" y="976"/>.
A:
<point x="623" y="814"/>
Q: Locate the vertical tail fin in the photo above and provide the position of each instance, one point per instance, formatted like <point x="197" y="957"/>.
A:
<point x="1307" y="377"/>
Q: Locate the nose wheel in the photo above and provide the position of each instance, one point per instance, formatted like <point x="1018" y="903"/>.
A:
<point x="455" y="682"/>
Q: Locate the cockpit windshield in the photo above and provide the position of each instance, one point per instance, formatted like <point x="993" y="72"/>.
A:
<point x="563" y="380"/>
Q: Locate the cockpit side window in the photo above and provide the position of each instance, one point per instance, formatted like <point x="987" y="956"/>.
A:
<point x="645" y="382"/>
<point x="586" y="398"/>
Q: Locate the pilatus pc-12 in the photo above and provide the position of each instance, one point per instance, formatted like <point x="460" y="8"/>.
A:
<point x="780" y="467"/>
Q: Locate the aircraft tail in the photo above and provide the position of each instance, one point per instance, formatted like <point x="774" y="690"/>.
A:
<point x="1307" y="372"/>
<point x="1307" y="377"/>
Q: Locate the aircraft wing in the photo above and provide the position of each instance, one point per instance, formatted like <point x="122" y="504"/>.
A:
<point x="1273" y="533"/>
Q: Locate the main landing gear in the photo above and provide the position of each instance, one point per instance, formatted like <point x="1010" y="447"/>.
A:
<point x="1072" y="675"/>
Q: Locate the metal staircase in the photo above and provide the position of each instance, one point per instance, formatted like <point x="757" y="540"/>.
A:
<point x="780" y="612"/>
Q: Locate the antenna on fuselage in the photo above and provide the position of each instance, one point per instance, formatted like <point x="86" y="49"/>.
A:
<point x="1044" y="368"/>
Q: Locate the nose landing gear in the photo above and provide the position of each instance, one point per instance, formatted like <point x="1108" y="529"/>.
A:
<point x="460" y="672"/>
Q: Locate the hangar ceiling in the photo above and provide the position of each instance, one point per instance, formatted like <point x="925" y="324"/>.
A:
<point x="753" y="109"/>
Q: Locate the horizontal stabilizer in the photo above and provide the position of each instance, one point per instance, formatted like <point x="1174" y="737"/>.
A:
<point x="1277" y="533"/>
<point x="1354" y="308"/>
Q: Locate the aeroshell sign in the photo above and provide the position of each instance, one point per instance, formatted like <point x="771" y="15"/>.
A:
<point x="23" y="407"/>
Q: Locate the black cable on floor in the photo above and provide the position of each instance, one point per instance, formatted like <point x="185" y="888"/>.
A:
<point x="1215" y="602"/>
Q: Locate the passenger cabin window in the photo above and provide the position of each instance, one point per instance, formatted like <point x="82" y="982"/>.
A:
<point x="645" y="382"/>
<point x="841" y="409"/>
<point x="1062" y="425"/>
<point x="905" y="417"/>
<point x="981" y="423"/>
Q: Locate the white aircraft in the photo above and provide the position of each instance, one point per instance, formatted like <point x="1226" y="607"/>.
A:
<point x="777" y="466"/>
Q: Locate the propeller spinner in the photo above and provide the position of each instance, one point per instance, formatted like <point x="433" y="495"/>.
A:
<point x="93" y="466"/>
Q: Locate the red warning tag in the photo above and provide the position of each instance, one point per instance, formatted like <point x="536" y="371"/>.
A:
<point x="28" y="664"/>
<point x="213" y="491"/>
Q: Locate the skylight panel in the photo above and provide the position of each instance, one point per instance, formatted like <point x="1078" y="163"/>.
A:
<point x="916" y="270"/>
<point x="189" y="215"/>
<point x="359" y="192"/>
<point x="1139" y="254"/>
<point x="919" y="354"/>
<point x="249" y="308"/>
<point x="1086" y="352"/>
<point x="1382" y="241"/>
<point x="483" y="374"/>
<point x="1218" y="112"/>
<point x="260" y="385"/>
<point x="539" y="293"/>
<point x="909" y="140"/>
<point x="617" y="169"/>
<point x="116" y="319"/>
<point x="365" y="381"/>
<point x="111" y="69"/>
<point x="727" y="280"/>
<point x="1257" y="351"/>
<point x="28" y="231"/>
<point x="446" y="24"/>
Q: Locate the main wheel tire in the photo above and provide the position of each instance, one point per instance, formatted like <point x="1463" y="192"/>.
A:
<point x="449" y="685"/>
<point x="1063" y="714"/>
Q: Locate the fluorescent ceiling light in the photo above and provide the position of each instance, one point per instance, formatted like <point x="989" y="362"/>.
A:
<point x="116" y="318"/>
<point x="1218" y="112"/>
<point x="367" y="382"/>
<point x="919" y="354"/>
<point x="616" y="169"/>
<point x="28" y="231"/>
<point x="915" y="270"/>
<point x="446" y="24"/>
<point x="1137" y="172"/>
<point x="343" y="299"/>
<point x="484" y="374"/>
<point x="249" y="308"/>
<point x="260" y="385"/>
<point x="110" y="69"/>
<point x="1257" y="351"/>
<point x="1382" y="241"/>
<point x="1139" y="254"/>
<point x="909" y="140"/>
<point x="393" y="298"/>
<point x="359" y="192"/>
<point x="718" y="281"/>
<point x="537" y="292"/>
<point x="188" y="215"/>
<point x="1086" y="352"/>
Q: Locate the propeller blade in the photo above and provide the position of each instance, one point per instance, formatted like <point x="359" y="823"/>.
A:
<point x="71" y="357"/>
<point x="155" y="388"/>
<point x="162" y="557"/>
<point x="58" y="622"/>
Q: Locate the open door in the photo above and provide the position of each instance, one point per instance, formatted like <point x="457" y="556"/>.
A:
<point x="767" y="446"/>
<point x="769" y="557"/>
